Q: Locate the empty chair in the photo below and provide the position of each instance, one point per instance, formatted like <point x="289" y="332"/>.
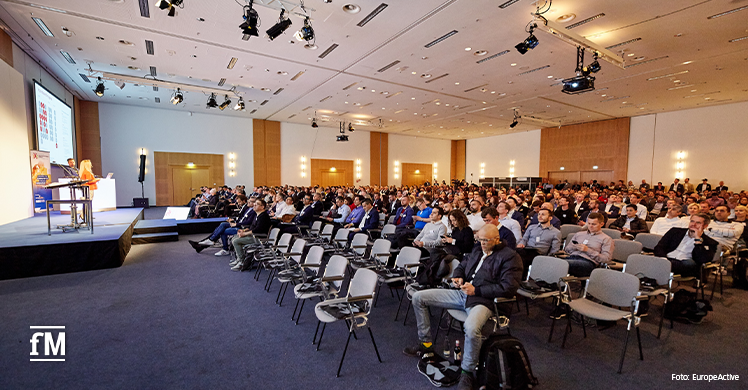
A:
<point x="547" y="269"/>
<point x="613" y="289"/>
<point x="302" y="273"/>
<point x="612" y="233"/>
<point x="358" y="246"/>
<point x="326" y="234"/>
<point x="388" y="230"/>
<point x="568" y="229"/>
<point x="289" y="259"/>
<point x="648" y="240"/>
<point x="326" y="287"/>
<point x="315" y="229"/>
<point x="354" y="309"/>
<point x="657" y="268"/>
<point x="272" y="253"/>
<point x="622" y="249"/>
<point x="378" y="256"/>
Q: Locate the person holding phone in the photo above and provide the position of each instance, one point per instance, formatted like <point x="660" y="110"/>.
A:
<point x="589" y="248"/>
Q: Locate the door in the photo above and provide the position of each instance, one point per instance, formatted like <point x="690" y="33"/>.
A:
<point x="602" y="177"/>
<point x="571" y="176"/>
<point x="329" y="179"/>
<point x="186" y="183"/>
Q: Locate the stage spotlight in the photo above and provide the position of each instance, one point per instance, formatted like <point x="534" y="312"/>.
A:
<point x="350" y="127"/>
<point x="99" y="91"/>
<point x="515" y="122"/>
<point x="171" y="5"/>
<point x="341" y="138"/>
<point x="239" y="105"/>
<point x="163" y="4"/>
<point x="594" y="67"/>
<point x="211" y="101"/>
<point x="249" y="27"/>
<point x="280" y="27"/>
<point x="306" y="33"/>
<point x="529" y="43"/>
<point x="177" y="98"/>
<point x="226" y="103"/>
<point x="314" y="123"/>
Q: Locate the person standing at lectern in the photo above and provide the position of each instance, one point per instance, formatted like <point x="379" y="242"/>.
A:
<point x="86" y="173"/>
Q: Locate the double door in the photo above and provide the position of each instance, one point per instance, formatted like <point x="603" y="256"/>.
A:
<point x="186" y="183"/>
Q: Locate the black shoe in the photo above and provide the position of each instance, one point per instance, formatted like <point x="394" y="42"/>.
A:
<point x="198" y="248"/>
<point x="467" y="381"/>
<point x="420" y="351"/>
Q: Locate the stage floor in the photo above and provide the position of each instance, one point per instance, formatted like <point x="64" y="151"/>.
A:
<point x="108" y="225"/>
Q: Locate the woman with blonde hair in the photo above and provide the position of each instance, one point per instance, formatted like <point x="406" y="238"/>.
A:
<point x="86" y="173"/>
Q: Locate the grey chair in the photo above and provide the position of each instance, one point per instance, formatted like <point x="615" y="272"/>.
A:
<point x="648" y="240"/>
<point x="610" y="289"/>
<point x="657" y="268"/>
<point x="568" y="229"/>
<point x="612" y="233"/>
<point x="547" y="269"/>
<point x="622" y="249"/>
<point x="326" y="287"/>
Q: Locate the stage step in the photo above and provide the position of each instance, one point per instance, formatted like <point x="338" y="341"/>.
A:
<point x="150" y="226"/>
<point x="150" y="238"/>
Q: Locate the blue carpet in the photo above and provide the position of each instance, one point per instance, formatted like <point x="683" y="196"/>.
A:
<point x="173" y="319"/>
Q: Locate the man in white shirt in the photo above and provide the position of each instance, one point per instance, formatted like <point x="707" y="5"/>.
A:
<point x="475" y="218"/>
<point x="507" y="221"/>
<point x="447" y="208"/>
<point x="431" y="234"/>
<point x="723" y="231"/>
<point x="670" y="220"/>
<point x="341" y="210"/>
<point x="641" y="210"/>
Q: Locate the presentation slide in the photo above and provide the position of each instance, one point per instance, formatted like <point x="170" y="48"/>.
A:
<point x="54" y="127"/>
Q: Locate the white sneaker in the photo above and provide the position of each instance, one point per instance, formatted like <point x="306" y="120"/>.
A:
<point x="207" y="242"/>
<point x="237" y="267"/>
<point x="233" y="263"/>
<point x="222" y="252"/>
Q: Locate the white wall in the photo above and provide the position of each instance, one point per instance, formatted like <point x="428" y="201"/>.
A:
<point x="14" y="147"/>
<point x="419" y="150"/>
<point x="126" y="129"/>
<point x="713" y="139"/>
<point x="299" y="140"/>
<point x="497" y="151"/>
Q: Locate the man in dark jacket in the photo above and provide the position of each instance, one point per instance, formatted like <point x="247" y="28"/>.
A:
<point x="629" y="224"/>
<point x="492" y="270"/>
<point x="246" y="217"/>
<point x="688" y="248"/>
<point x="369" y="221"/>
<point x="261" y="226"/>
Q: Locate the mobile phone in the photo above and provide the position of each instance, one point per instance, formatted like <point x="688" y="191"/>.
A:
<point x="574" y="242"/>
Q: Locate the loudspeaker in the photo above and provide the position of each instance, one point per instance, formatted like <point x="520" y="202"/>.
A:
<point x="141" y="175"/>
<point x="140" y="202"/>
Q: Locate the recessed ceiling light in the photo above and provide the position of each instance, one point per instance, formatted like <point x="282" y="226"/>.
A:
<point x="639" y="58"/>
<point x="310" y="46"/>
<point x="687" y="62"/>
<point x="360" y="88"/>
<point x="100" y="38"/>
<point x="693" y="90"/>
<point x="426" y="76"/>
<point x="133" y="67"/>
<point x="351" y="8"/>
<point x="676" y="81"/>
<point x="282" y="73"/>
<point x="457" y="83"/>
<point x="631" y="54"/>
<point x="566" y="18"/>
<point x="480" y="53"/>
<point x="200" y="19"/>
<point x="550" y="77"/>
<point x="512" y="64"/>
<point x="468" y="48"/>
<point x="412" y="98"/>
<point x="126" y="43"/>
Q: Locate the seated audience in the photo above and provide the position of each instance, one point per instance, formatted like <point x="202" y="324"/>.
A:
<point x="725" y="232"/>
<point x="539" y="239"/>
<point x="565" y="213"/>
<point x="510" y="223"/>
<point x="589" y="248"/>
<point x="670" y="220"/>
<point x="641" y="210"/>
<point x="594" y="207"/>
<point x="245" y="217"/>
<point x="630" y="224"/>
<point x="491" y="217"/>
<point x="741" y="217"/>
<point x="246" y="236"/>
<point x="687" y="248"/>
<point x="369" y="220"/>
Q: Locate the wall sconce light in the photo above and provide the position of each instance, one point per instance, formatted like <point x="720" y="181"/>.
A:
<point x="680" y="164"/>
<point x="594" y="167"/>
<point x="482" y="171"/>
<point x="332" y="169"/>
<point x="396" y="169"/>
<point x="142" y="151"/>
<point x="303" y="166"/>
<point x="190" y="165"/>
<point x="358" y="168"/>
<point x="232" y="164"/>
<point x="511" y="168"/>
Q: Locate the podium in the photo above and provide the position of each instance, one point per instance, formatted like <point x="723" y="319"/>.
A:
<point x="105" y="198"/>
<point x="73" y="201"/>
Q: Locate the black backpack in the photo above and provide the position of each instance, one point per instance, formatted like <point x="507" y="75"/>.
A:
<point x="740" y="273"/>
<point x="685" y="307"/>
<point x="504" y="364"/>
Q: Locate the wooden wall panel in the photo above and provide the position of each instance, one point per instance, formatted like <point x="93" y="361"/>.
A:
<point x="457" y="161"/>
<point x="260" y="162"/>
<point x="411" y="178"/>
<point x="578" y="148"/>
<point x="89" y="136"/>
<point x="378" y="154"/>
<point x="319" y="166"/>
<point x="273" y="152"/>
<point x="163" y="161"/>
<point x="6" y="48"/>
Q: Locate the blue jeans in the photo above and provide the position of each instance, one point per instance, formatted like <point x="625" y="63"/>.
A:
<point x="453" y="299"/>
<point x="579" y="266"/>
<point x="223" y="230"/>
<point x="684" y="267"/>
<point x="225" y="237"/>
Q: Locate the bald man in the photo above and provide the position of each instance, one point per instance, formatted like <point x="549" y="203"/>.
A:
<point x="491" y="270"/>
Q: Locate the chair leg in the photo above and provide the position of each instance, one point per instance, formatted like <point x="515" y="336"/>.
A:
<point x="584" y="325"/>
<point x="407" y="311"/>
<point x="567" y="330"/>
<point x="623" y="353"/>
<point x="344" y="351"/>
<point x="438" y="324"/>
<point x="314" y="340"/>
<point x="400" y="303"/>
<point x="284" y="294"/>
<point x="375" y="344"/>
<point x="376" y="298"/>
<point x="553" y="324"/>
<point x="280" y="290"/>
<point x="518" y="309"/>
<point x="319" y="342"/>
<point x="662" y="318"/>
<point x="293" y="315"/>
<point x="527" y="306"/>
<point x="639" y="339"/>
<point x="302" y="308"/>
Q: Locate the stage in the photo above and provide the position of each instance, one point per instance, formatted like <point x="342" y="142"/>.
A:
<point x="26" y="250"/>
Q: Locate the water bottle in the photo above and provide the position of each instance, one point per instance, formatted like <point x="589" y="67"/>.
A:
<point x="458" y="353"/>
<point x="447" y="349"/>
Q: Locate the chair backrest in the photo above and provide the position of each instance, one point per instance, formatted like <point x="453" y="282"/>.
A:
<point x="623" y="248"/>
<point x="548" y="269"/>
<point x="284" y="243"/>
<point x="273" y="236"/>
<point x="388" y="229"/>
<point x="327" y="232"/>
<point x="649" y="225"/>
<point x="314" y="256"/>
<point x="568" y="240"/>
<point x="652" y="267"/>
<point x="316" y="226"/>
<point x="359" y="239"/>
<point x="381" y="250"/>
<point x="298" y="247"/>
<point x="391" y="219"/>
<point x="408" y="255"/>
<point x="648" y="240"/>
<point x="336" y="266"/>
<point x="342" y="235"/>
<point x="452" y="266"/>
<point x="364" y="282"/>
<point x="612" y="233"/>
<point x="613" y="287"/>
<point x="568" y="229"/>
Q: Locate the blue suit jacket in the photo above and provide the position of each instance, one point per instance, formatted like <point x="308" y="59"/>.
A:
<point x="247" y="218"/>
<point x="407" y="219"/>
<point x="372" y="222"/>
<point x="305" y="217"/>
